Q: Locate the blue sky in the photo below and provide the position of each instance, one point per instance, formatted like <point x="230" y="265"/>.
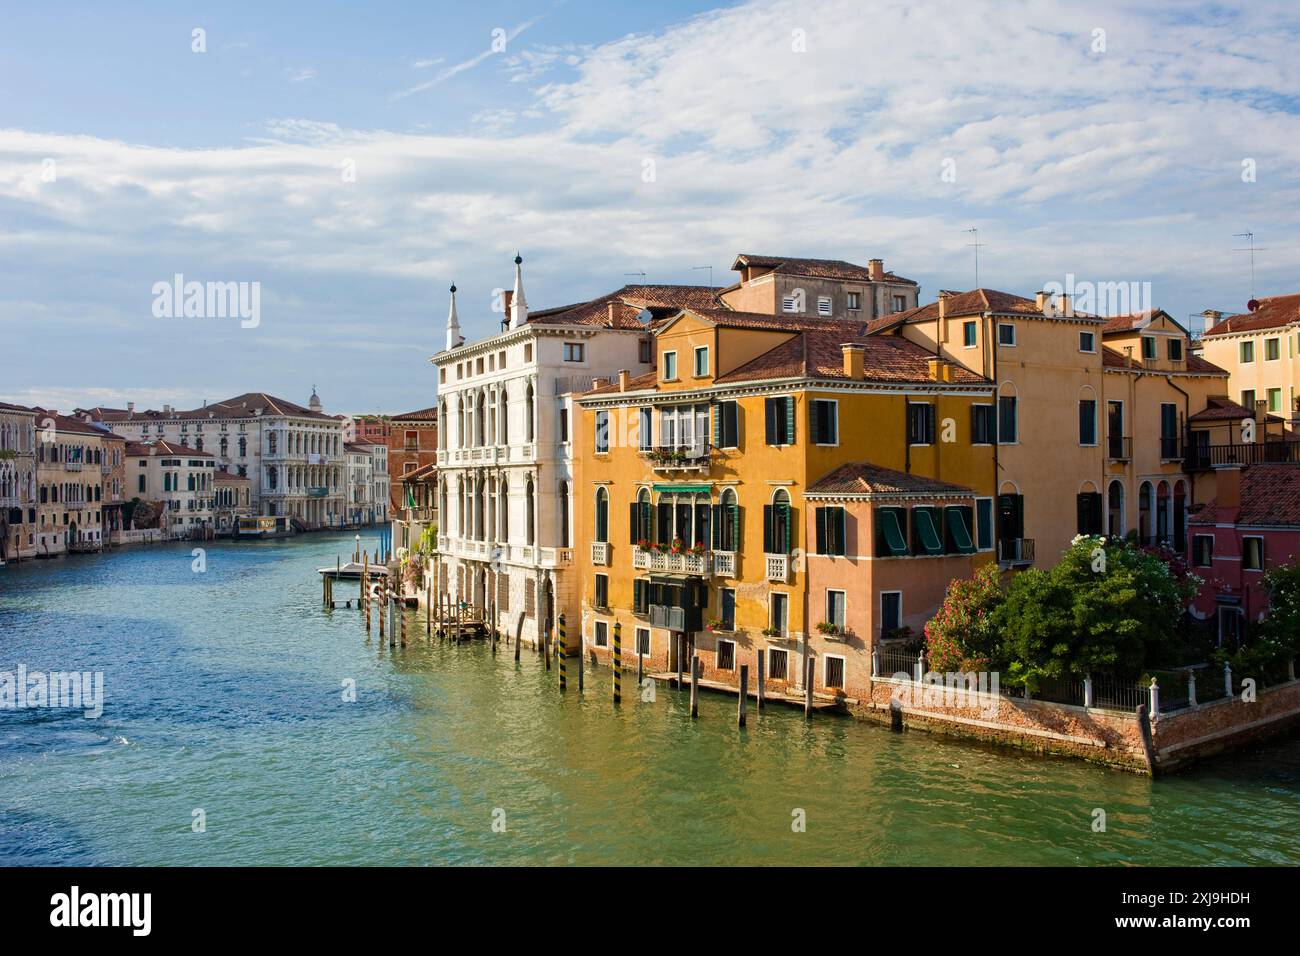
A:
<point x="807" y="127"/>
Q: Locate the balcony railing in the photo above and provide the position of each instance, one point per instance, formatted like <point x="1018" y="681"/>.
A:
<point x="1171" y="449"/>
<point x="1016" y="550"/>
<point x="1203" y="457"/>
<point x="681" y="562"/>
<point x="1119" y="449"/>
<point x="778" y="567"/>
<point x="600" y="553"/>
<point x="724" y="564"/>
<point x="691" y="456"/>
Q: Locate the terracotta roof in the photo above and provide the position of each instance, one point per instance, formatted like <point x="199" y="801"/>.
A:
<point x="1111" y="358"/>
<point x="135" y="449"/>
<point x="1270" y="495"/>
<point x="241" y="406"/>
<point x="974" y="302"/>
<point x="1273" y="312"/>
<point x="1126" y="323"/>
<point x="817" y="354"/>
<point x="816" y="268"/>
<point x="6" y="407"/>
<point x="864" y="478"/>
<point x="223" y="475"/>
<point x="356" y="446"/>
<point x="423" y="415"/>
<point x="1219" y="408"/>
<point x="423" y="473"/>
<point x="636" y="383"/>
<point x="628" y="303"/>
<point x="780" y="322"/>
<point x="65" y="424"/>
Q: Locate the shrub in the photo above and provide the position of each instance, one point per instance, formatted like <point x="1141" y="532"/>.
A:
<point x="961" y="635"/>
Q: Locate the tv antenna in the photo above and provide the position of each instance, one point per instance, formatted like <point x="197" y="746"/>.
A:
<point x="1252" y="249"/>
<point x="710" y="268"/>
<point x="974" y="230"/>
<point x="629" y="274"/>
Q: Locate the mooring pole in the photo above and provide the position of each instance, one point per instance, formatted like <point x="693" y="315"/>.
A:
<point x="618" y="662"/>
<point x="809" y="673"/>
<point x="695" y="686"/>
<point x="744" y="694"/>
<point x="563" y="656"/>
<point x="759" y="661"/>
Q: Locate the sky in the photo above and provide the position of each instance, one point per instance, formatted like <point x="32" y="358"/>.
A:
<point x="348" y="162"/>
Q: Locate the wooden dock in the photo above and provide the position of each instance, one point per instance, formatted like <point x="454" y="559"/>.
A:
<point x="820" y="701"/>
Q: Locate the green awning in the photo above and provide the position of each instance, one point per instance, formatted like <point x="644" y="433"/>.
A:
<point x="685" y="489"/>
<point x="958" y="532"/>
<point x="927" y="528"/>
<point x="895" y="541"/>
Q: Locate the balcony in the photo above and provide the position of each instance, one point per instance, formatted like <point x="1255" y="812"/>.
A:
<point x="1205" y="457"/>
<point x="1119" y="449"/>
<point x="724" y="564"/>
<point x="1014" y="552"/>
<point x="600" y="553"/>
<point x="778" y="567"/>
<point x="681" y="562"/>
<point x="689" y="457"/>
<point x="1171" y="449"/>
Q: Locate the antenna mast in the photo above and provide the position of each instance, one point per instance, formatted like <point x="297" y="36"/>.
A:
<point x="974" y="230"/>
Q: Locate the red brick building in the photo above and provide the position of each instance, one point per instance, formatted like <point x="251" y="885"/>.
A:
<point x="412" y="443"/>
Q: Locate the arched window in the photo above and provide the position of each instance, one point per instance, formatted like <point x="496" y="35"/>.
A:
<point x="602" y="515"/>
<point x="503" y="416"/>
<point x="480" y="420"/>
<point x="528" y="414"/>
<point x="272" y="476"/>
<point x="1179" y="541"/>
<point x="778" y="524"/>
<point x="442" y="424"/>
<point x="729" y="522"/>
<point x="1115" y="509"/>
<point x="503" y="509"/>
<point x="564" y="514"/>
<point x="1146" y="495"/>
<point x="1164" y="513"/>
<point x="460" y="507"/>
<point x="530" y="513"/>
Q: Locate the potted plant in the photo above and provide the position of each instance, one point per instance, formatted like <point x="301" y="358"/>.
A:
<point x="714" y="624"/>
<point x="643" y="544"/>
<point x="827" y="628"/>
<point x="771" y="632"/>
<point x="677" y="545"/>
<point x="699" y="548"/>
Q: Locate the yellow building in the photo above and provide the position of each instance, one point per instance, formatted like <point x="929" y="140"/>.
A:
<point x="1093" y="414"/>
<point x="1261" y="351"/>
<point x="699" y="533"/>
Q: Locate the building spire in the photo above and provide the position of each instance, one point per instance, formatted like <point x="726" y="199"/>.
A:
<point x="518" y="304"/>
<point x="454" y="338"/>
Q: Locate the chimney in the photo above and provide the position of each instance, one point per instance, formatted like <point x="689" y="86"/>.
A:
<point x="854" y="360"/>
<point x="130" y="408"/>
<point x="623" y="376"/>
<point x="935" y="364"/>
<point x="1042" y="301"/>
<point x="1063" y="306"/>
<point x="611" y="315"/>
<point x="1261" y="413"/>
<point x="943" y="305"/>
<point x="1227" y="490"/>
<point x="947" y="371"/>
<point x="876" y="269"/>
<point x="1212" y="318"/>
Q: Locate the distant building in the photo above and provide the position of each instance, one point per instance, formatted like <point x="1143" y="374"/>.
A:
<point x="232" y="499"/>
<point x="70" y="466"/>
<point x="1261" y="351"/>
<point x="412" y="444"/>
<point x="181" y="481"/>
<point x="17" y="482"/>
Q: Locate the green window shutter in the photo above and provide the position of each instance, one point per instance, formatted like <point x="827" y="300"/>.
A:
<point x="789" y="421"/>
<point x="832" y="425"/>
<point x="891" y="536"/>
<point x="717" y="425"/>
<point x="841" y="533"/>
<point x="664" y="523"/>
<point x="821" y="530"/>
<point x="634" y="515"/>
<point x="787" y="513"/>
<point x="928" y="537"/>
<point x="984" y="524"/>
<point x="769" y="421"/>
<point x="957" y="523"/>
<point x="767" y="530"/>
<point x="715" y="526"/>
<point x="731" y="425"/>
<point x="735" y="527"/>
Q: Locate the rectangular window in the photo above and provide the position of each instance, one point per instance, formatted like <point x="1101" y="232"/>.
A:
<point x="643" y="641"/>
<point x="778" y="610"/>
<point x="891" y="532"/>
<point x="141" y="480"/>
<point x="1006" y="334"/>
<point x="891" y="612"/>
<point x="1247" y="353"/>
<point x="1272" y="349"/>
<point x="1203" y="550"/>
<point x="1149" y="350"/>
<point x="835" y="608"/>
<point x="645" y="429"/>
<point x="1175" y="350"/>
<point x="726" y="425"/>
<point x="1088" y="512"/>
<point x="1275" y="399"/>
<point x="564" y="423"/>
<point x="834" y="672"/>
<point x="726" y="655"/>
<point x="778" y="664"/>
<point x="528" y="352"/>
<point x="900" y="303"/>
<point x="958" y="529"/>
<point x="920" y="423"/>
<point x="573" y="351"/>
<point x="824" y="305"/>
<point x="602" y="591"/>
<point x="927" y="532"/>
<point x="855" y="301"/>
<point x="830" y="531"/>
<point x="1248" y="400"/>
<point x="640" y="596"/>
<point x="670" y="366"/>
<point x="602" y="431"/>
<point x="727" y="608"/>
<point x="1168" y="431"/>
<point x="968" y="334"/>
<point x="1252" y="553"/>
<point x="790" y="303"/>
<point x="984" y="524"/>
<point x="701" y="361"/>
<point x="601" y="635"/>
<point x="1008" y="420"/>
<point x="825" y="421"/>
<point x="983" y="425"/>
<point x="779" y="420"/>
<point x="1087" y="421"/>
<point x="1087" y="342"/>
<point x="645" y="351"/>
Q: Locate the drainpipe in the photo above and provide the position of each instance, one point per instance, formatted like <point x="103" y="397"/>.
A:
<point x="1187" y="414"/>
<point x="991" y="348"/>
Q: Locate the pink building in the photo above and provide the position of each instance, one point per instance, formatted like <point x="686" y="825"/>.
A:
<point x="1251" y="525"/>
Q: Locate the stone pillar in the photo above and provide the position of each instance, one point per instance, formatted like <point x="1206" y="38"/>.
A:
<point x="1155" y="699"/>
<point x="1191" y="689"/>
<point x="1087" y="691"/>
<point x="1227" y="678"/>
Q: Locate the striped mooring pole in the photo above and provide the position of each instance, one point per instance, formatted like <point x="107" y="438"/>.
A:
<point x="562" y="654"/>
<point x="618" y="662"/>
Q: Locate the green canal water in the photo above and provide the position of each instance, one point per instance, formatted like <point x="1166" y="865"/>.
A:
<point x="224" y="691"/>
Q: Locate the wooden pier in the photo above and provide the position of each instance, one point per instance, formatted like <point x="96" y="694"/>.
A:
<point x="820" y="703"/>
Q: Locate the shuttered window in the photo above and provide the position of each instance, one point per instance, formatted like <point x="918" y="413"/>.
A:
<point x="825" y="422"/>
<point x="957" y="522"/>
<point x="830" y="531"/>
<point x="983" y="425"/>
<point x="726" y="425"/>
<point x="778" y="416"/>
<point x="726" y="525"/>
<point x="891" y="532"/>
<point x="920" y="423"/>
<point x="927" y="537"/>
<point x="776" y="528"/>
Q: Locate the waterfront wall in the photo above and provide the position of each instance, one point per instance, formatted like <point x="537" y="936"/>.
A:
<point x="1188" y="735"/>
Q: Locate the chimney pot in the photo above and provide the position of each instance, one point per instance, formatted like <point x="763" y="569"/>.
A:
<point x="1227" y="489"/>
<point x="130" y="408"/>
<point x="1063" y="306"/>
<point x="934" y="365"/>
<point x="854" y="360"/>
<point x="943" y="305"/>
<point x="623" y="376"/>
<point x="1041" y="301"/>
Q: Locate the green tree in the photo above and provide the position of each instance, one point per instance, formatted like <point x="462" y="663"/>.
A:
<point x="961" y="635"/>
